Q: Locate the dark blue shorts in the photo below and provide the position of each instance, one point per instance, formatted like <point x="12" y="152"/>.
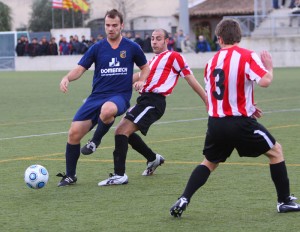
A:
<point x="90" y="110"/>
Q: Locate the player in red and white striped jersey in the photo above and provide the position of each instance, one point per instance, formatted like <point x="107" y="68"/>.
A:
<point x="229" y="79"/>
<point x="166" y="67"/>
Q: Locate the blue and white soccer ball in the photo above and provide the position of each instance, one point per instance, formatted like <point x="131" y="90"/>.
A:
<point x="36" y="176"/>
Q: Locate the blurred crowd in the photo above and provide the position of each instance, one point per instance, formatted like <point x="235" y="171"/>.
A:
<point x="75" y="46"/>
<point x="72" y="46"/>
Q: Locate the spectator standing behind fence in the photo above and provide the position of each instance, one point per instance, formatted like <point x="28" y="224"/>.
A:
<point x="147" y="43"/>
<point x="129" y="36"/>
<point x="216" y="42"/>
<point x="34" y="48"/>
<point x="171" y="43"/>
<point x="53" y="48"/>
<point x="202" y="45"/>
<point x="64" y="47"/>
<point x="139" y="40"/>
<point x="180" y="37"/>
<point x="76" y="46"/>
<point x="44" y="47"/>
<point x="186" y="45"/>
<point x="20" y="48"/>
<point x="85" y="44"/>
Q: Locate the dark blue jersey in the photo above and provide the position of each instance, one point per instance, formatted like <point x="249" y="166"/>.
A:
<point x="113" y="67"/>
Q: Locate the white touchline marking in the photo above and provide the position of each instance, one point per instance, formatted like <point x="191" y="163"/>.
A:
<point x="157" y="123"/>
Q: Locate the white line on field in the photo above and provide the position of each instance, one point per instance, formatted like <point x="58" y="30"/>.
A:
<point x="158" y="123"/>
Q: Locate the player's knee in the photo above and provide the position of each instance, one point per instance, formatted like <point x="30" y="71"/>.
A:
<point x="275" y="154"/>
<point x="278" y="150"/>
<point x="74" y="136"/>
<point x="108" y="113"/>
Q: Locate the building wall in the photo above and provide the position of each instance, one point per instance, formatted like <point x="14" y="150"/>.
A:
<point x="21" y="9"/>
<point x="151" y="23"/>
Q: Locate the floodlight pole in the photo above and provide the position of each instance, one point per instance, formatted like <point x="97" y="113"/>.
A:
<point x="184" y="16"/>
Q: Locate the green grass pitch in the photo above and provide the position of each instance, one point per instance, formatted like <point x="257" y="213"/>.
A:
<point x="239" y="196"/>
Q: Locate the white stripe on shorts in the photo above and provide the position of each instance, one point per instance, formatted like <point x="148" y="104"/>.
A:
<point x="143" y="113"/>
<point x="265" y="137"/>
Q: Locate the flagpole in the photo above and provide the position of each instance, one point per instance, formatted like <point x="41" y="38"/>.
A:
<point x="73" y="22"/>
<point x="52" y="18"/>
<point x="62" y="18"/>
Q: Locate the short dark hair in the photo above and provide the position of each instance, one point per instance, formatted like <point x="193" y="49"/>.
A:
<point x="166" y="34"/>
<point x="113" y="14"/>
<point x="229" y="30"/>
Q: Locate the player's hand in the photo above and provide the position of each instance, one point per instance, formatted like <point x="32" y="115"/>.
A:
<point x="138" y="85"/>
<point x="258" y="112"/>
<point x="266" y="59"/>
<point x="64" y="84"/>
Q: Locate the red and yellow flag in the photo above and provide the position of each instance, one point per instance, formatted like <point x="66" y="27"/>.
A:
<point x="67" y="4"/>
<point x="81" y="5"/>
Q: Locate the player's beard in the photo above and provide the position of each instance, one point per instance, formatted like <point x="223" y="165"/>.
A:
<point x="114" y="37"/>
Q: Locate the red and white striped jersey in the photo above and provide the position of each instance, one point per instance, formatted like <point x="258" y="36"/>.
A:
<point x="229" y="81"/>
<point x="165" y="69"/>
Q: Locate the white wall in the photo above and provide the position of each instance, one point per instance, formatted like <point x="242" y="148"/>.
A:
<point x="49" y="63"/>
<point x="67" y="32"/>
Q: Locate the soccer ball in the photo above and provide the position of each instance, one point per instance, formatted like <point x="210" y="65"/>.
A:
<point x="36" y="176"/>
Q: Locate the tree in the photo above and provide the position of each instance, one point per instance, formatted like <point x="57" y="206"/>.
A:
<point x="41" y="17"/>
<point x="127" y="7"/>
<point x="5" y="18"/>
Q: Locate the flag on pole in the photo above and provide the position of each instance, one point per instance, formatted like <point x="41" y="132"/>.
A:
<point x="58" y="4"/>
<point x="67" y="4"/>
<point x="62" y="4"/>
<point x="81" y="5"/>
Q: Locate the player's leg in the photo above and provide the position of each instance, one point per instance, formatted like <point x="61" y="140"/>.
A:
<point x="105" y="121"/>
<point x="257" y="140"/>
<point x="153" y="160"/>
<point x="123" y="130"/>
<point x="197" y="179"/>
<point x="218" y="146"/>
<point x="77" y="131"/>
<point x="279" y="175"/>
<point x="149" y="109"/>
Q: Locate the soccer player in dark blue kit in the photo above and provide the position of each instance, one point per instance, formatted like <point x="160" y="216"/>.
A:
<point x="114" y="59"/>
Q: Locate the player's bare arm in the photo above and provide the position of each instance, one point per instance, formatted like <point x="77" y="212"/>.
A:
<point x="266" y="59"/>
<point x="140" y="78"/>
<point x="135" y="77"/>
<point x="73" y="75"/>
<point x="192" y="81"/>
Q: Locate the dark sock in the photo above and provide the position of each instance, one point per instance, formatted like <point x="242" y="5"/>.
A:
<point x="100" y="131"/>
<point x="120" y="152"/>
<point x="280" y="178"/>
<point x="141" y="147"/>
<point x="72" y="156"/>
<point x="198" y="178"/>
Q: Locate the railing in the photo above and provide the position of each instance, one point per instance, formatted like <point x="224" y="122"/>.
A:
<point x="288" y="25"/>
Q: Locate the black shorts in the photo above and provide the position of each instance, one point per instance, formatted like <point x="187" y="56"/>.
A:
<point x="245" y="134"/>
<point x="149" y="108"/>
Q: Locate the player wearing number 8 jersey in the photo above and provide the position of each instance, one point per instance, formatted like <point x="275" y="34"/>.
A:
<point x="229" y="77"/>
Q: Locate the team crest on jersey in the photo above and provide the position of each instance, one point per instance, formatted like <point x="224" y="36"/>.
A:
<point x="123" y="54"/>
